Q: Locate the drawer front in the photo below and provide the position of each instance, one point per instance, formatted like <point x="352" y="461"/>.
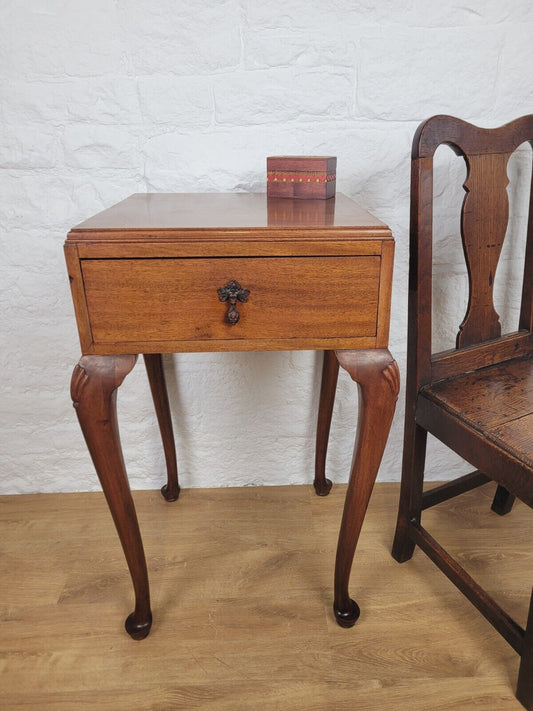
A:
<point x="160" y="300"/>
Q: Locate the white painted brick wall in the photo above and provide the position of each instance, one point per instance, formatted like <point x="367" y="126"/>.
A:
<point x="103" y="99"/>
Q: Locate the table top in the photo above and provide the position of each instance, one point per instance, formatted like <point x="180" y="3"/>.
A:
<point x="215" y="215"/>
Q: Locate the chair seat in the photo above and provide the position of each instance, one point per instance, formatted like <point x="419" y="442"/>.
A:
<point x="494" y="403"/>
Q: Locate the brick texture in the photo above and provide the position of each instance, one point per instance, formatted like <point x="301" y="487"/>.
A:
<point x="107" y="98"/>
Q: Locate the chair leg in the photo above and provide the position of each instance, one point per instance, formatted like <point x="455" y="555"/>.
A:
<point x="524" y="689"/>
<point x="158" y="386"/>
<point x="503" y="501"/>
<point x="410" y="507"/>
<point x="330" y="373"/>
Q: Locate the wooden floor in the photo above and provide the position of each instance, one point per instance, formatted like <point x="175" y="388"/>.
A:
<point x="241" y="585"/>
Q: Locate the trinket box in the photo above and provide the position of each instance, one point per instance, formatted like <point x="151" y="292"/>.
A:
<point x="307" y="177"/>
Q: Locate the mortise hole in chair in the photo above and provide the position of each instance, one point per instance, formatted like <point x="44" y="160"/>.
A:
<point x="476" y="398"/>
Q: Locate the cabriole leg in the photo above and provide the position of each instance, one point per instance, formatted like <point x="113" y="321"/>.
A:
<point x="330" y="372"/>
<point x="94" y="392"/>
<point x="378" y="377"/>
<point x="158" y="386"/>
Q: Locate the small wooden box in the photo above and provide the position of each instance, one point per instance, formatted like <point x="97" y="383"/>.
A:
<point x="307" y="177"/>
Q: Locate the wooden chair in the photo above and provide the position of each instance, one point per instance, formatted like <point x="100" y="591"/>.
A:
<point x="478" y="397"/>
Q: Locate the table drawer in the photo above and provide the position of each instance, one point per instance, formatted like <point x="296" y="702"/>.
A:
<point x="160" y="300"/>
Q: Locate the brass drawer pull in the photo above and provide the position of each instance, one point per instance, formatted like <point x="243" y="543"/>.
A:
<point x="233" y="292"/>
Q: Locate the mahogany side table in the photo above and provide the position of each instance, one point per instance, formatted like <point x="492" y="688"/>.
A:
<point x="165" y="273"/>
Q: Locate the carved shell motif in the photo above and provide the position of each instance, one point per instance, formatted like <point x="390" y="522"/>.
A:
<point x="77" y="384"/>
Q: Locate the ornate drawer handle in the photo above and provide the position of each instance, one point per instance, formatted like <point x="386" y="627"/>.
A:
<point x="233" y="292"/>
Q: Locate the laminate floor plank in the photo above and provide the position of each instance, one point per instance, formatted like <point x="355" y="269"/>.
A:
<point x="241" y="584"/>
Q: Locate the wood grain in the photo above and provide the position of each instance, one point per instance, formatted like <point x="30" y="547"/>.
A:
<point x="489" y="397"/>
<point x="137" y="301"/>
<point x="93" y="389"/>
<point x="227" y="639"/>
<point x="219" y="215"/>
<point x="144" y="274"/>
<point x="178" y="303"/>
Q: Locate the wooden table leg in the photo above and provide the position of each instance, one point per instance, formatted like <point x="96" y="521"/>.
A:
<point x="94" y="392"/>
<point x="330" y="372"/>
<point x="378" y="377"/>
<point x="158" y="386"/>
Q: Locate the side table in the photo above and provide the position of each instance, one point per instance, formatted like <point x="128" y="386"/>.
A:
<point x="166" y="273"/>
